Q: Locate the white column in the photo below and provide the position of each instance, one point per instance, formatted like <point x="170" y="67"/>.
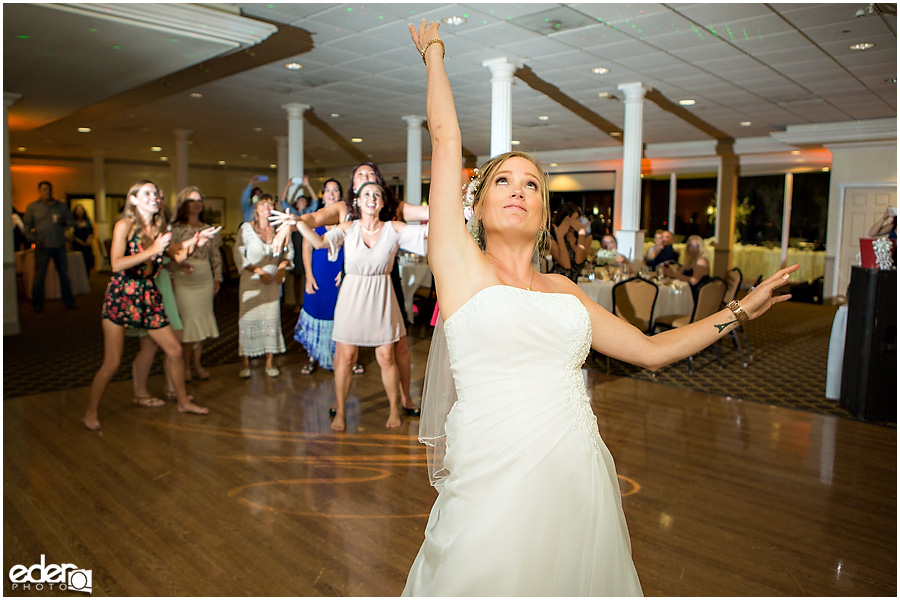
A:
<point x="726" y="198"/>
<point x="281" y="142"/>
<point x="414" y="158"/>
<point x="786" y="217"/>
<point x="502" y="71"/>
<point x="295" y="112"/>
<point x="179" y="165"/>
<point x="11" y="324"/>
<point x="631" y="237"/>
<point x="102" y="225"/>
<point x="673" y="197"/>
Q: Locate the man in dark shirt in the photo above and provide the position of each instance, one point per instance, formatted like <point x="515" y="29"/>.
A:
<point x="662" y="250"/>
<point x="46" y="220"/>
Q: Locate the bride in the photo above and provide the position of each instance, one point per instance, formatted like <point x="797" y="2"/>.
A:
<point x="530" y="504"/>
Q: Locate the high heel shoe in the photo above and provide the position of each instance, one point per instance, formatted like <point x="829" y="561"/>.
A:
<point x="332" y="412"/>
<point x="415" y="411"/>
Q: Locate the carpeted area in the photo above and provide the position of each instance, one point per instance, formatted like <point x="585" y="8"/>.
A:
<point x="60" y="349"/>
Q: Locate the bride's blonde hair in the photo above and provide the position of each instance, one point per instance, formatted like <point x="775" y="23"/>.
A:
<point x="486" y="172"/>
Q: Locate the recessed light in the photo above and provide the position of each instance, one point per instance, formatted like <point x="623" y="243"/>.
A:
<point x="862" y="46"/>
<point x="293" y="66"/>
<point x="515" y="142"/>
<point x="891" y="80"/>
<point x="196" y="95"/>
<point x="600" y="70"/>
<point x="21" y="148"/>
<point x="84" y="130"/>
<point x="454" y="20"/>
<point x="156" y="148"/>
<point x="825" y="169"/>
<point x="795" y="152"/>
<point x="687" y="102"/>
<point x="554" y="164"/>
<point x="356" y="140"/>
<point x="543" y="118"/>
<point x="221" y="162"/>
<point x="273" y="166"/>
<point x="335" y="115"/>
<point x="163" y="158"/>
<point x="746" y="123"/>
<point x="616" y="133"/>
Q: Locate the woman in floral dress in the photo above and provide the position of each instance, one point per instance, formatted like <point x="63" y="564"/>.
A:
<point x="132" y="300"/>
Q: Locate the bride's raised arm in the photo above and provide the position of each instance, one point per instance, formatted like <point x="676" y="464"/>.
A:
<point x="452" y="251"/>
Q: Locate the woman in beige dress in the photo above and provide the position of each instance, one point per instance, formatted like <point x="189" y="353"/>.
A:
<point x="367" y="312"/>
<point x="198" y="283"/>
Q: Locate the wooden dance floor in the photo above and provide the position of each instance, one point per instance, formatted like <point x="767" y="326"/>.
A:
<point x="722" y="497"/>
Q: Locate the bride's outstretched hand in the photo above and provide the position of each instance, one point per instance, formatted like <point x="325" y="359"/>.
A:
<point x="760" y="298"/>
<point x="424" y="34"/>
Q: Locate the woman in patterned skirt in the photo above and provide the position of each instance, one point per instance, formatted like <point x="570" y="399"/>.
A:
<point x="132" y="300"/>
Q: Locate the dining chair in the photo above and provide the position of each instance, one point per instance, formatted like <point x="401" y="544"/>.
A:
<point x="709" y="301"/>
<point x="634" y="300"/>
<point x="734" y="278"/>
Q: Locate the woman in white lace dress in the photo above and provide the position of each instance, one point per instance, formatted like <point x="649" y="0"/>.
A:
<point x="259" y="319"/>
<point x="530" y="503"/>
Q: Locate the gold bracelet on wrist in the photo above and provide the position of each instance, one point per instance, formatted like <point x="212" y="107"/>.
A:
<point x="430" y="42"/>
<point x="739" y="313"/>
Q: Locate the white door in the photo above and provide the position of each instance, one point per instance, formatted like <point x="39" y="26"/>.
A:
<point x="862" y="207"/>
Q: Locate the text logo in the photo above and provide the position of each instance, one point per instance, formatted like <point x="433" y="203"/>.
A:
<point x="60" y="577"/>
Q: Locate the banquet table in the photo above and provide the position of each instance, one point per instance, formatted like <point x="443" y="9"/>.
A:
<point x="674" y="296"/>
<point x="77" y="274"/>
<point x="414" y="274"/>
<point x="754" y="261"/>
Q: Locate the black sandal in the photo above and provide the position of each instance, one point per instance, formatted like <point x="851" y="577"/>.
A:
<point x="358" y="369"/>
<point x="415" y="411"/>
<point x="308" y="368"/>
<point x="332" y="412"/>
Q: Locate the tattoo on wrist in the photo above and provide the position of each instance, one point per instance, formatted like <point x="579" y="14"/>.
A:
<point x="722" y="326"/>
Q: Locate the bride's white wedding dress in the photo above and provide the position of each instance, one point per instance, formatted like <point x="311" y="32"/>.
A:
<point x="531" y="506"/>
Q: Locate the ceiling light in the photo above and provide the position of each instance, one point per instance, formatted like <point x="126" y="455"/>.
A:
<point x="862" y="46"/>
<point x="616" y="133"/>
<point x="84" y="130"/>
<point x="196" y="95"/>
<point x="746" y="123"/>
<point x="21" y="148"/>
<point x="891" y="80"/>
<point x="515" y="142"/>
<point x="554" y="164"/>
<point x="454" y="20"/>
<point x="273" y="166"/>
<point x="687" y="102"/>
<point x="543" y="118"/>
<point x="335" y="115"/>
<point x="156" y="148"/>
<point x="221" y="162"/>
<point x="795" y="152"/>
<point x="293" y="66"/>
<point x="600" y="70"/>
<point x="257" y="129"/>
<point x="825" y="169"/>
<point x="356" y="140"/>
<point x="163" y="158"/>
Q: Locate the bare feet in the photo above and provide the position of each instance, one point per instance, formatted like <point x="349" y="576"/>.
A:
<point x="337" y="423"/>
<point x="191" y="408"/>
<point x="394" y="420"/>
<point x="91" y="422"/>
<point x="201" y="372"/>
<point x="148" y="402"/>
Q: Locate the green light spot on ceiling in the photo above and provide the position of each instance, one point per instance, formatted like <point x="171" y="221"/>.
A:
<point x="174" y="41"/>
<point x="465" y="15"/>
<point x="380" y="18"/>
<point x="93" y="30"/>
<point x="546" y="19"/>
<point x="23" y="37"/>
<point x="484" y="22"/>
<point x="746" y="37"/>
<point x="117" y="47"/>
<point x="271" y="5"/>
<point x="633" y="26"/>
<point x="349" y="9"/>
<point x="731" y="35"/>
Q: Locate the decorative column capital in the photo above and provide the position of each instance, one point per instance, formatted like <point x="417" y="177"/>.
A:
<point x="10" y="97"/>
<point x="634" y="92"/>
<point x="502" y="69"/>
<point x="182" y="134"/>
<point x="414" y="121"/>
<point x="295" y="110"/>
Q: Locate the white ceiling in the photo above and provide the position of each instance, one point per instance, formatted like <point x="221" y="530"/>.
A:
<point x="773" y="65"/>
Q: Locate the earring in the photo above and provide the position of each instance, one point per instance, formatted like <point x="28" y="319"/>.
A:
<point x="478" y="233"/>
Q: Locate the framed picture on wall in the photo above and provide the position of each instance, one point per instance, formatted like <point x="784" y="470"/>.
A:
<point x="214" y="211"/>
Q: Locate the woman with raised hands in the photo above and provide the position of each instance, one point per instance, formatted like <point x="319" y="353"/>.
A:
<point x="529" y="487"/>
<point x="140" y="238"/>
<point x="367" y="312"/>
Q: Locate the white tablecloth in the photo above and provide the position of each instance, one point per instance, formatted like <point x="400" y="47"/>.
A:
<point x="674" y="298"/>
<point x="754" y="261"/>
<point x="77" y="274"/>
<point x="413" y="275"/>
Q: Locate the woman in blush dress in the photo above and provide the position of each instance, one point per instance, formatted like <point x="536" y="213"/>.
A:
<point x="262" y="273"/>
<point x="530" y="503"/>
<point x="367" y="312"/>
<point x="316" y="323"/>
<point x="198" y="283"/>
<point x="132" y="300"/>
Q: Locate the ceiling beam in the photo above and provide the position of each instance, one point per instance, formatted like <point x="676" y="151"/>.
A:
<point x="554" y="93"/>
<point x="286" y="42"/>
<point x="313" y="119"/>
<point x="685" y="115"/>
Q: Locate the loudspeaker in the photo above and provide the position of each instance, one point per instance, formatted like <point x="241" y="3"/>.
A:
<point x="869" y="380"/>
